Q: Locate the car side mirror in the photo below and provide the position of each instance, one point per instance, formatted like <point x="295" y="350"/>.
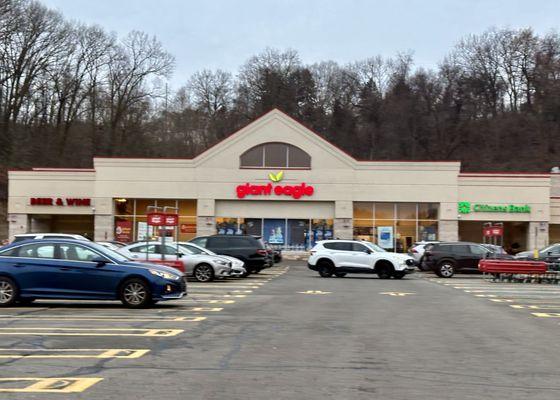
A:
<point x="179" y="254"/>
<point x="549" y="253"/>
<point x="100" y="261"/>
<point x="488" y="255"/>
<point x="368" y="251"/>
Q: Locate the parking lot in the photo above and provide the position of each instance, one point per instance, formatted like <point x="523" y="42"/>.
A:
<point x="286" y="333"/>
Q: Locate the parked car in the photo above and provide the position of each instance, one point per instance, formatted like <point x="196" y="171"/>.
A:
<point x="416" y="251"/>
<point x="79" y="269"/>
<point x="550" y="253"/>
<point x="249" y="249"/>
<point x="237" y="266"/>
<point x="28" y="236"/>
<point x="340" y="257"/>
<point x="113" y="245"/>
<point x="203" y="267"/>
<point x="447" y="258"/>
<point x="498" y="251"/>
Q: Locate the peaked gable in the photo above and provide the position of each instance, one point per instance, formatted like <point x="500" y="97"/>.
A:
<point x="275" y="126"/>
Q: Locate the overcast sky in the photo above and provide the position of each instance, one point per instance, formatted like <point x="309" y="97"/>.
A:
<point x="224" y="33"/>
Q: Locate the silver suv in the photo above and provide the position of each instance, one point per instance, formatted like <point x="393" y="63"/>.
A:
<point x="340" y="257"/>
<point x="203" y="267"/>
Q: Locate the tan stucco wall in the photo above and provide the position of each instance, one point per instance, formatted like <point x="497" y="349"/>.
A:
<point x="339" y="180"/>
<point x="505" y="190"/>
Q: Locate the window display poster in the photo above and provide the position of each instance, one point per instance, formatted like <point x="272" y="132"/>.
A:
<point x="144" y="232"/>
<point x="123" y="231"/>
<point x="274" y="231"/>
<point x="385" y="237"/>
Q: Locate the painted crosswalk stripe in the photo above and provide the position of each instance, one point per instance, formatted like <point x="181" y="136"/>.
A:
<point x="71" y="353"/>
<point x="47" y="385"/>
<point x="90" y="332"/>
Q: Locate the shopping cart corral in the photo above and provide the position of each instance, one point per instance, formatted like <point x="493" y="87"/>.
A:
<point x="519" y="271"/>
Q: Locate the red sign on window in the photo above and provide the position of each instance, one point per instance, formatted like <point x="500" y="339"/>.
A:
<point x="171" y="220"/>
<point x="490" y="231"/>
<point x="123" y="231"/>
<point x="156" y="219"/>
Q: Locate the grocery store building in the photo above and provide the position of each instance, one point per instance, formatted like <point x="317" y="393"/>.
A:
<point x="278" y="179"/>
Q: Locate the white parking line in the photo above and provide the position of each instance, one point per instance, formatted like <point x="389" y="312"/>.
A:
<point x="24" y="331"/>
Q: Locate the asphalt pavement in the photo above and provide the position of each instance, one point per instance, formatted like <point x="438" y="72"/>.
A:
<point x="289" y="334"/>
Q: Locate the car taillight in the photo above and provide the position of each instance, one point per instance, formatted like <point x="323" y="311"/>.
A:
<point x="414" y="251"/>
<point x="262" y="252"/>
<point x="312" y="252"/>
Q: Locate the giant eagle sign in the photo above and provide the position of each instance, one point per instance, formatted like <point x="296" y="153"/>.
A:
<point x="269" y="189"/>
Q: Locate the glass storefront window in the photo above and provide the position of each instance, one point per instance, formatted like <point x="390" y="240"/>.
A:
<point x="187" y="207"/>
<point x="395" y="226"/>
<point x="406" y="211"/>
<point x="427" y="230"/>
<point x="166" y="203"/>
<point x="321" y="229"/>
<point x="124" y="206"/>
<point x="384" y="210"/>
<point x="363" y="210"/>
<point x="142" y="206"/>
<point x="227" y="226"/>
<point x="428" y="211"/>
<point x="251" y="226"/>
<point x="134" y="210"/>
<point x="187" y="228"/>
<point x="297" y="233"/>
<point x="405" y="235"/>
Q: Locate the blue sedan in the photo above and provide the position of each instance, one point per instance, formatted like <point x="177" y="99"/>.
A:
<point x="75" y="269"/>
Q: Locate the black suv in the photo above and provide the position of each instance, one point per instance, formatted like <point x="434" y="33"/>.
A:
<point x="449" y="257"/>
<point x="249" y="249"/>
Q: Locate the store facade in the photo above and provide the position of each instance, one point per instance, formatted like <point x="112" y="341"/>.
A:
<point x="278" y="179"/>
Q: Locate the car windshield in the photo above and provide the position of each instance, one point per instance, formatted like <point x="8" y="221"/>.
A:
<point x="197" y="249"/>
<point x="109" y="253"/>
<point x="547" y="249"/>
<point x="186" y="250"/>
<point x="375" y="247"/>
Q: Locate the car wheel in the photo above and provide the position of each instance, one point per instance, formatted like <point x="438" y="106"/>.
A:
<point x="135" y="293"/>
<point x="325" y="269"/>
<point x="8" y="292"/>
<point x="399" y="274"/>
<point x="445" y="269"/>
<point x="203" y="273"/>
<point x="340" y="274"/>
<point x="384" y="270"/>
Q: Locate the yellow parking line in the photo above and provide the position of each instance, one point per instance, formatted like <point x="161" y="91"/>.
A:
<point x="215" y="301"/>
<point x="72" y="353"/>
<point x="223" y="287"/>
<point x="90" y="332"/>
<point x="536" y="307"/>
<point x="100" y="318"/>
<point x="546" y="315"/>
<point x="49" y="385"/>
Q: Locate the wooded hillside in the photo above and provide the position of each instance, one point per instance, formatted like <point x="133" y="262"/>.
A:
<point x="69" y="91"/>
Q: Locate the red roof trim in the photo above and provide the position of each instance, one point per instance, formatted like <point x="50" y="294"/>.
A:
<point x="503" y="175"/>
<point x="52" y="170"/>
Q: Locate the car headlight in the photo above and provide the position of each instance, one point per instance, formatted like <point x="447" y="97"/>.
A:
<point x="221" y="262"/>
<point x="165" y="275"/>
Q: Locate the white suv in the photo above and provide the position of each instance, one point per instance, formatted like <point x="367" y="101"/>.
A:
<point x="340" y="257"/>
<point x="28" y="236"/>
